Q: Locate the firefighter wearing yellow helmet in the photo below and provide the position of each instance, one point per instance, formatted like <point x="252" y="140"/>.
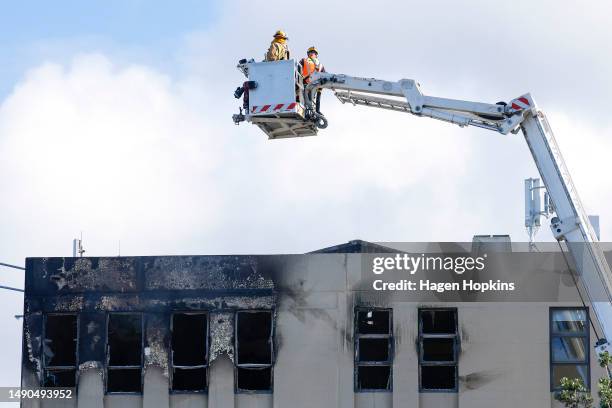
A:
<point x="311" y="64"/>
<point x="279" y="50"/>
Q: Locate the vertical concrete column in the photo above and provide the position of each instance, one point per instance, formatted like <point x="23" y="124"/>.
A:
<point x="91" y="388"/>
<point x="345" y="392"/>
<point x="221" y="383"/>
<point x="156" y="384"/>
<point x="405" y="359"/>
<point x="92" y="351"/>
<point x="31" y="369"/>
<point x="155" y="391"/>
<point x="29" y="381"/>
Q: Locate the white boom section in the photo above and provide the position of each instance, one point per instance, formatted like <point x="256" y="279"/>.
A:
<point x="463" y="113"/>
<point x="571" y="223"/>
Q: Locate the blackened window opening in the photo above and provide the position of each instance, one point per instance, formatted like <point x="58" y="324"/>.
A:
<point x="254" y="379"/>
<point x="190" y="379"/>
<point x="373" y="377"/>
<point x="373" y="321"/>
<point x="373" y="349"/>
<point x="438" y="349"/>
<point x="124" y="353"/>
<point x="190" y="352"/>
<point x="60" y="350"/>
<point x="254" y="351"/>
<point x="435" y="321"/>
<point x="254" y="337"/>
<point x="438" y="345"/>
<point x="438" y="377"/>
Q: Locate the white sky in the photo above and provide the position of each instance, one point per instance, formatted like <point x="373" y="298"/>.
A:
<point x="95" y="140"/>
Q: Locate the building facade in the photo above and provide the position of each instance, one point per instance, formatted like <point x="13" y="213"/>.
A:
<point x="292" y="331"/>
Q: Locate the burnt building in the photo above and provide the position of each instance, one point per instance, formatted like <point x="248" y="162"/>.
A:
<point x="303" y="330"/>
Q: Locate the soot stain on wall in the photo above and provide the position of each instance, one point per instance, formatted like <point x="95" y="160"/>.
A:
<point x="477" y="379"/>
<point x="157" y="342"/>
<point x="222" y="335"/>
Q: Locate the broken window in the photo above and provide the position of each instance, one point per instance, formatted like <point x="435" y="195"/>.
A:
<point x="124" y="352"/>
<point x="569" y="345"/>
<point x="438" y="345"/>
<point x="373" y="349"/>
<point x="189" y="352"/>
<point x="254" y="379"/>
<point x="60" y="350"/>
<point x="254" y="350"/>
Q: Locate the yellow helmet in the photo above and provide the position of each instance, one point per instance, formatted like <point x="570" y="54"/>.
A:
<point x="312" y="49"/>
<point x="281" y="34"/>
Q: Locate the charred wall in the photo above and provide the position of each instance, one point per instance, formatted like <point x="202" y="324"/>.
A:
<point x="156" y="287"/>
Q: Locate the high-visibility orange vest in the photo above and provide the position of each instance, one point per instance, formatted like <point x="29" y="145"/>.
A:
<point x="308" y="67"/>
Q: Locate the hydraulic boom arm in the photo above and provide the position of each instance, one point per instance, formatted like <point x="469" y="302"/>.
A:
<point x="570" y="225"/>
<point x="361" y="91"/>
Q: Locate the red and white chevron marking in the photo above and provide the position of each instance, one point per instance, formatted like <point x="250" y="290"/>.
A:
<point x="281" y="107"/>
<point x="521" y="103"/>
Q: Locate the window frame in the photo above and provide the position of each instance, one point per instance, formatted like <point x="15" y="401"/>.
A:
<point x="47" y="368"/>
<point x="391" y="344"/>
<point x="127" y="367"/>
<point x="456" y="343"/>
<point x="586" y="334"/>
<point x="254" y="366"/>
<point x="171" y="352"/>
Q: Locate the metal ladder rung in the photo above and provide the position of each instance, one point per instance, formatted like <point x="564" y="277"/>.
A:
<point x="401" y="106"/>
<point x="366" y="100"/>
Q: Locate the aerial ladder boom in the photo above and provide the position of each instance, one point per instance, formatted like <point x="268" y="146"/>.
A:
<point x="570" y="225"/>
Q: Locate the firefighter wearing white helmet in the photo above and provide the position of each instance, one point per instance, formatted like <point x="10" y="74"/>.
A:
<point x="279" y="50"/>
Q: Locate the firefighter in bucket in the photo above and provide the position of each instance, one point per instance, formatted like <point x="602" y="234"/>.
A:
<point x="308" y="66"/>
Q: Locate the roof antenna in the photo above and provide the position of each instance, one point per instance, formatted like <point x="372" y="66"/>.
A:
<point x="77" y="246"/>
<point x="120" y="248"/>
<point x="537" y="205"/>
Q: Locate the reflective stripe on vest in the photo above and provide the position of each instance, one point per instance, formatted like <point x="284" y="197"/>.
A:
<point x="308" y="67"/>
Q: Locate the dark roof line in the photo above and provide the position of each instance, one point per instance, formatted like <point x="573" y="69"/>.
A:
<point x="356" y="246"/>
